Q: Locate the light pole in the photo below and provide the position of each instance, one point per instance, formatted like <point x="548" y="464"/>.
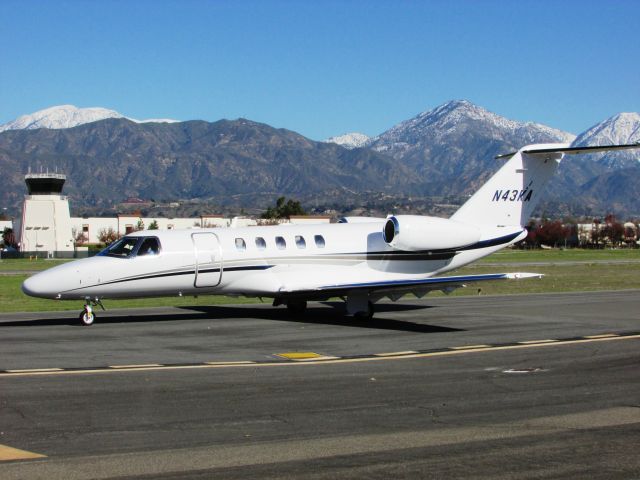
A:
<point x="4" y="215"/>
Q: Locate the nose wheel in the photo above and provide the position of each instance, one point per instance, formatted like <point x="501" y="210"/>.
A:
<point x="87" y="315"/>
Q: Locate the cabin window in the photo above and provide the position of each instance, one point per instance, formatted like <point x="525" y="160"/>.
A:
<point x="149" y="246"/>
<point x="319" y="241"/>
<point x="300" y="243"/>
<point x="241" y="246"/>
<point x="260" y="243"/>
<point x="281" y="243"/>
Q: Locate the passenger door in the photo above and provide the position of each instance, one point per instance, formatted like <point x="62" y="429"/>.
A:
<point x="208" y="259"/>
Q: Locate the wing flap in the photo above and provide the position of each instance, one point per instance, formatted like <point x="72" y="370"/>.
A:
<point x="424" y="285"/>
<point x="436" y="282"/>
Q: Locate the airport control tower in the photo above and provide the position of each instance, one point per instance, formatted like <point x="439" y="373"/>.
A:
<point x="45" y="228"/>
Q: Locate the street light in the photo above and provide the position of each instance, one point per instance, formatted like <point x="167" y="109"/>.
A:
<point x="4" y="213"/>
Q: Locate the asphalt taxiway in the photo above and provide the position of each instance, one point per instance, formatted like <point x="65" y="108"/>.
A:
<point x="532" y="386"/>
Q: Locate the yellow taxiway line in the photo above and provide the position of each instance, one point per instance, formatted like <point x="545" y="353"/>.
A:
<point x="9" y="453"/>
<point x="312" y="358"/>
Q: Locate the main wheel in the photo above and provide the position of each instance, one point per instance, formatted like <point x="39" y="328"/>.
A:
<point x="87" y="318"/>
<point x="368" y="315"/>
<point x="297" y="307"/>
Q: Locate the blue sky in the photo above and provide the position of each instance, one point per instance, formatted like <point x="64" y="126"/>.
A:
<point x="322" y="68"/>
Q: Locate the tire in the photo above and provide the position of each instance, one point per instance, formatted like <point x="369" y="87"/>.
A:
<point x="297" y="307"/>
<point x="87" y="318"/>
<point x="368" y="315"/>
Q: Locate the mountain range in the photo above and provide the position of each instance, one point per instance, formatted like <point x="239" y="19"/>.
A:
<point x="439" y="156"/>
<point x="68" y="116"/>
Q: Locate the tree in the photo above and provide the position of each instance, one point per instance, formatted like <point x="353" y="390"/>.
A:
<point x="614" y="232"/>
<point x="153" y="225"/>
<point x="284" y="209"/>
<point x="107" y="235"/>
<point x="9" y="238"/>
<point x="80" y="238"/>
<point x="553" y="233"/>
<point x="531" y="241"/>
<point x="139" y="225"/>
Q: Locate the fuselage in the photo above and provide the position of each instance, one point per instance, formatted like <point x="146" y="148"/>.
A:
<point x="267" y="261"/>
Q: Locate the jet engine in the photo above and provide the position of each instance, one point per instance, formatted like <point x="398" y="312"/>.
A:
<point x="416" y="233"/>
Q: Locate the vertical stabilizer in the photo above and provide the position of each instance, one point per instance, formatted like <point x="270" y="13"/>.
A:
<point x="509" y="197"/>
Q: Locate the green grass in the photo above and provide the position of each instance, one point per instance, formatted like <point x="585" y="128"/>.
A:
<point x="595" y="276"/>
<point x="26" y="265"/>
<point x="557" y="278"/>
<point x="558" y="255"/>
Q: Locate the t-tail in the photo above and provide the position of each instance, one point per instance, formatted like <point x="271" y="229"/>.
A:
<point x="510" y="196"/>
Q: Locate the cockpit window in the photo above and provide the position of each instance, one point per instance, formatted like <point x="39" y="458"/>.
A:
<point x="122" y="248"/>
<point x="128" y="247"/>
<point x="149" y="246"/>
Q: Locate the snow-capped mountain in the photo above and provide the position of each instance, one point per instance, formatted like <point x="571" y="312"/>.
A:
<point x="452" y="146"/>
<point x="455" y="119"/>
<point x="154" y="120"/>
<point x="622" y="128"/>
<point x="66" y="116"/>
<point x="350" y="140"/>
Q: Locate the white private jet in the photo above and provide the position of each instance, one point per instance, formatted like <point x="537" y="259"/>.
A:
<point x="361" y="260"/>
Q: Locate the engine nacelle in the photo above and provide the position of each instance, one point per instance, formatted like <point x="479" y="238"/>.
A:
<point x="413" y="233"/>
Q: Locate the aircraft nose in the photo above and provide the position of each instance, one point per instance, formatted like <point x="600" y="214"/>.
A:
<point x="38" y="286"/>
<point x="28" y="287"/>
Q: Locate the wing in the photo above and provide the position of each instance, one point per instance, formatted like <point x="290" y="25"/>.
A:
<point x="396" y="288"/>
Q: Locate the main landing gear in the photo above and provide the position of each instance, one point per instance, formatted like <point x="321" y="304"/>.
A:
<point x="87" y="316"/>
<point x="357" y="305"/>
<point x="297" y="307"/>
<point x="366" y="314"/>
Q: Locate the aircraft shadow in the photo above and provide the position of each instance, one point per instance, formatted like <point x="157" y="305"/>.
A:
<point x="324" y="316"/>
<point x="104" y="318"/>
<point x="316" y="316"/>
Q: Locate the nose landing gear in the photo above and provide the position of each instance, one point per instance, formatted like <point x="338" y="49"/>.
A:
<point x="87" y="317"/>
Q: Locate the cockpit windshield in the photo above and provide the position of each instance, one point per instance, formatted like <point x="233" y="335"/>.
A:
<point x="128" y="247"/>
<point x="122" y="248"/>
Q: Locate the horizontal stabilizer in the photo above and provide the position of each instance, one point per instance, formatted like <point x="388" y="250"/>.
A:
<point x="573" y="150"/>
